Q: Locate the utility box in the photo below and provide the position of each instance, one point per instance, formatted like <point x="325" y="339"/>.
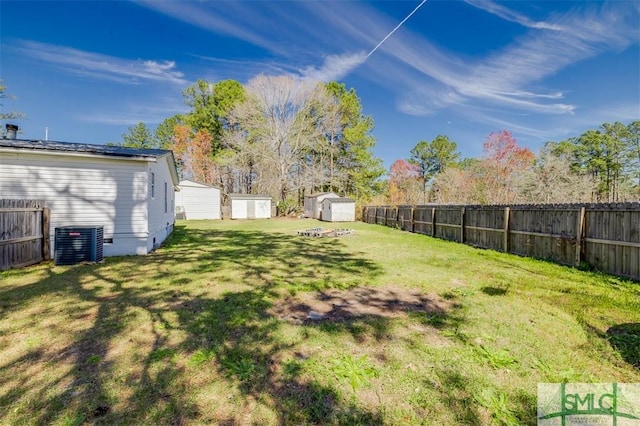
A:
<point x="76" y="244"/>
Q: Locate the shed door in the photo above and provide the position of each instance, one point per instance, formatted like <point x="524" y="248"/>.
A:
<point x="251" y="209"/>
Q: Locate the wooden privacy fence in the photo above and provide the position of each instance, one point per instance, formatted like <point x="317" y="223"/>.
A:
<point x="604" y="236"/>
<point x="24" y="233"/>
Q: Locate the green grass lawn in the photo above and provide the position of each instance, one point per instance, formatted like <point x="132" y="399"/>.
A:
<point x="214" y="328"/>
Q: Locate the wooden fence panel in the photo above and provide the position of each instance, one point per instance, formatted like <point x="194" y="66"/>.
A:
<point x="405" y="218"/>
<point x="370" y="214"/>
<point x="448" y="223"/>
<point x="392" y="217"/>
<point x="422" y="220"/>
<point x="544" y="232"/>
<point x="381" y="215"/>
<point x="612" y="239"/>
<point x="484" y="227"/>
<point x="604" y="236"/>
<point x="366" y="211"/>
<point x="24" y="233"/>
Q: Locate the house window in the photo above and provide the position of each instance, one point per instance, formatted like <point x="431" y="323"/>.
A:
<point x="153" y="185"/>
<point x="166" y="204"/>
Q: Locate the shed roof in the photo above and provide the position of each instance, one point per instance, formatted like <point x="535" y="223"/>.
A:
<point x="249" y="197"/>
<point x="319" y="194"/>
<point x="338" y="200"/>
<point x="193" y="184"/>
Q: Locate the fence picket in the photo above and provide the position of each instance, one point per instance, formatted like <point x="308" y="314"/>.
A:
<point x="605" y="236"/>
<point x="24" y="233"/>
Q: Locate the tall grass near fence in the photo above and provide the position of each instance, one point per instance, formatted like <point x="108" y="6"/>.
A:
<point x="603" y="237"/>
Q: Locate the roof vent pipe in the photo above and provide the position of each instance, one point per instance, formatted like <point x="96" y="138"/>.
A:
<point x="12" y="131"/>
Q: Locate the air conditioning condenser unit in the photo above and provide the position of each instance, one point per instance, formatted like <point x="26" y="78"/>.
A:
<point x="75" y="244"/>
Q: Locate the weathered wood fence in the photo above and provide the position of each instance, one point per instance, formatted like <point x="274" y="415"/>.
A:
<point x="24" y="233"/>
<point x="604" y="236"/>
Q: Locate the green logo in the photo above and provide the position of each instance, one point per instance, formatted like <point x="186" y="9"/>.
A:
<point x="616" y="404"/>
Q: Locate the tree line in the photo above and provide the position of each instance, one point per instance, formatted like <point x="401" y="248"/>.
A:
<point x="10" y="115"/>
<point x="280" y="136"/>
<point x="600" y="165"/>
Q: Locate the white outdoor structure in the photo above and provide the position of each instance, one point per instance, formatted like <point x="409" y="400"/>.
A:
<point x="338" y="210"/>
<point x="313" y="203"/>
<point x="128" y="191"/>
<point x="197" y="201"/>
<point x="244" y="206"/>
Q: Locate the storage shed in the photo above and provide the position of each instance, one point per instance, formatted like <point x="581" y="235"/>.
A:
<point x="313" y="203"/>
<point x="128" y="192"/>
<point x="246" y="206"/>
<point x="197" y="201"/>
<point x="338" y="210"/>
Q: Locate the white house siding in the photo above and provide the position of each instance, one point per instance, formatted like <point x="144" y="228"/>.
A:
<point x="86" y="190"/>
<point x="198" y="201"/>
<point x="162" y="204"/>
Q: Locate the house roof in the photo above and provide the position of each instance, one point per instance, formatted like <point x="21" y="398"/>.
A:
<point x="338" y="200"/>
<point x="249" y="197"/>
<point x="107" y="150"/>
<point x="89" y="150"/>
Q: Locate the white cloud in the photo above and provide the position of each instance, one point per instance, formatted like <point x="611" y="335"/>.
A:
<point x="235" y="19"/>
<point x="510" y="15"/>
<point x="506" y="77"/>
<point x="427" y="100"/>
<point x="418" y="71"/>
<point x="243" y="70"/>
<point x="132" y="113"/>
<point x="99" y="66"/>
<point x="335" y="67"/>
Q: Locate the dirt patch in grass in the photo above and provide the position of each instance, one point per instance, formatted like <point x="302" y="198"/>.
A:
<point x="335" y="305"/>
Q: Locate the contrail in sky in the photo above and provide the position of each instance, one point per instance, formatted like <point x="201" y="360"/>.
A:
<point x="335" y="67"/>
<point x="394" y="30"/>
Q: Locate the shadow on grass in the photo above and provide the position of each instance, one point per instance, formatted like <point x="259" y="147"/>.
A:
<point x="495" y="291"/>
<point x="625" y="338"/>
<point x="364" y="312"/>
<point x="134" y="303"/>
<point x="286" y="261"/>
<point x="457" y="395"/>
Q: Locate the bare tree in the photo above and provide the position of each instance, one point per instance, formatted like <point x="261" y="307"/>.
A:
<point x="275" y="129"/>
<point x="551" y="180"/>
<point x="455" y="185"/>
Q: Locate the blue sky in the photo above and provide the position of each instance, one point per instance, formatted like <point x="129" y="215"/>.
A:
<point x="544" y="70"/>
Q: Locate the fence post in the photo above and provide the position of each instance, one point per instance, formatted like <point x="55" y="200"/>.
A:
<point x="462" y="225"/>
<point x="397" y="217"/>
<point x="411" y="219"/>
<point x="505" y="227"/>
<point x="46" y="248"/>
<point x="579" y="232"/>
<point x="433" y="221"/>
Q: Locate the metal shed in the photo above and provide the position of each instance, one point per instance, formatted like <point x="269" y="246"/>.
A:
<point x="197" y="201"/>
<point x="246" y="206"/>
<point x="338" y="210"/>
<point x="313" y="203"/>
